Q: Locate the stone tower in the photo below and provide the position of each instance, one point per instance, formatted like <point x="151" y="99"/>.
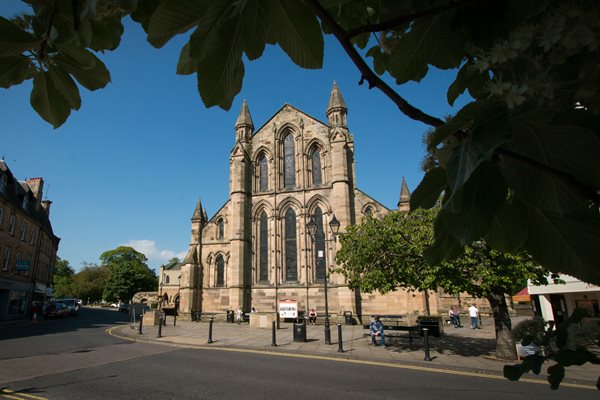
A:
<point x="404" y="202"/>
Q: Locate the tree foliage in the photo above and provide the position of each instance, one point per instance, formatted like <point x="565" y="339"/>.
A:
<point x="89" y="282"/>
<point x="517" y="165"/>
<point x="128" y="274"/>
<point x="63" y="278"/>
<point x="385" y="254"/>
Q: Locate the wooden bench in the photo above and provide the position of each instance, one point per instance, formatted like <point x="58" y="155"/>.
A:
<point x="396" y="323"/>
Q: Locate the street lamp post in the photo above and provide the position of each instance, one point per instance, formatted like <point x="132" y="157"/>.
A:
<point x="312" y="227"/>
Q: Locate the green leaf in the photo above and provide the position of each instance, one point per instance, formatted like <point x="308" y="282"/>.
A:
<point x="429" y="190"/>
<point x="81" y="57"/>
<point x="467" y="78"/>
<point x="567" y="148"/>
<point x="92" y="79"/>
<point x="173" y="17"/>
<point x="296" y="29"/>
<point x="14" y="70"/>
<point x="432" y="40"/>
<point x="186" y="65"/>
<point x="473" y="207"/>
<point x="490" y="130"/>
<point x="144" y="11"/>
<point x="380" y="59"/>
<point x="207" y="37"/>
<point x="255" y="16"/>
<point x="508" y="231"/>
<point x="220" y="70"/>
<point x="106" y="34"/>
<point x="567" y="244"/>
<point x="65" y="86"/>
<point x="445" y="245"/>
<point x="14" y="41"/>
<point x="460" y="122"/>
<point x="47" y="101"/>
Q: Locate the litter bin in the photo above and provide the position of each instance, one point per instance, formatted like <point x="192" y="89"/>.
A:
<point x="348" y="318"/>
<point x="433" y="325"/>
<point x="230" y="317"/>
<point x="299" y="331"/>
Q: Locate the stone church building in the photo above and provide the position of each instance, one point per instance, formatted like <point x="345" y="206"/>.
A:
<point x="256" y="250"/>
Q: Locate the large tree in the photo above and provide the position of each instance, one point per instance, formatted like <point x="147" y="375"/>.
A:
<point x="385" y="254"/>
<point x="128" y="273"/>
<point x="531" y="131"/>
<point x="63" y="279"/>
<point x="89" y="282"/>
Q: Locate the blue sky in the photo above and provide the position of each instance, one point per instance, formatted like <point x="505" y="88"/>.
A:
<point x="128" y="167"/>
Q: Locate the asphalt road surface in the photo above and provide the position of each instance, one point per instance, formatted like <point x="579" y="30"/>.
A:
<point x="86" y="363"/>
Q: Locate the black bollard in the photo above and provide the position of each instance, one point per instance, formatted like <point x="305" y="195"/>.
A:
<point x="174" y="320"/>
<point x="141" y="323"/>
<point x="164" y="319"/>
<point x="426" y="341"/>
<point x="210" y="322"/>
<point x="340" y="346"/>
<point x="274" y="340"/>
<point x="159" y="327"/>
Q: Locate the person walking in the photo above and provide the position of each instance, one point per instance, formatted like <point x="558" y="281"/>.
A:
<point x="474" y="314"/>
<point x="239" y="316"/>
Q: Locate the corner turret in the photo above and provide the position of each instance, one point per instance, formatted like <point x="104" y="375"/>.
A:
<point x="336" y="109"/>
<point x="244" y="127"/>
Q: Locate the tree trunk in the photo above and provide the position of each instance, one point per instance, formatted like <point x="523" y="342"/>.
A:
<point x="505" y="346"/>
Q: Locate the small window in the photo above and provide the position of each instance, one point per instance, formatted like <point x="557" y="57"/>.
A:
<point x="3" y="183"/>
<point x="11" y="224"/>
<point x="17" y="259"/>
<point x="31" y="235"/>
<point x="263" y="170"/>
<point x="25" y="202"/>
<point x="369" y="211"/>
<point x="22" y="232"/>
<point x="315" y="158"/>
<point x="220" y="267"/>
<point x="6" y="258"/>
<point x="1" y="217"/>
<point x="221" y="229"/>
<point x="167" y="279"/>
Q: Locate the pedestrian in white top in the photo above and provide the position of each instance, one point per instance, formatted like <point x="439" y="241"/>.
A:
<point x="239" y="316"/>
<point x="474" y="314"/>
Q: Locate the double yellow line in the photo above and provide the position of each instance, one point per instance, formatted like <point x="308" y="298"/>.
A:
<point x="10" y="394"/>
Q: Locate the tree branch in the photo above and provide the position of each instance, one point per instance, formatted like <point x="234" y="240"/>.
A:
<point x="374" y="81"/>
<point x="589" y="192"/>
<point x="382" y="26"/>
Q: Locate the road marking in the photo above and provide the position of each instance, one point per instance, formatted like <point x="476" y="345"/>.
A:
<point x="345" y="360"/>
<point x="13" y="395"/>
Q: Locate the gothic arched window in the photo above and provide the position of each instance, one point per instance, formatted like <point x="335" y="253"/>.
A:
<point x="291" y="271"/>
<point x="315" y="157"/>
<point x="221" y="229"/>
<point x="369" y="211"/>
<point x="220" y="270"/>
<point x="319" y="245"/>
<point x="263" y="171"/>
<point x="263" y="251"/>
<point x="289" y="162"/>
<point x="167" y="279"/>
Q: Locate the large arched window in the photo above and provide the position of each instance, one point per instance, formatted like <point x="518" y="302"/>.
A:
<point x="291" y="271"/>
<point x="289" y="162"/>
<point x="221" y="229"/>
<point x="263" y="251"/>
<point x="263" y="171"/>
<point x="220" y="270"/>
<point x="315" y="157"/>
<point x="319" y="245"/>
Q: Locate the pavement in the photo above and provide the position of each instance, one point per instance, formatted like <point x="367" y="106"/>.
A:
<point x="461" y="351"/>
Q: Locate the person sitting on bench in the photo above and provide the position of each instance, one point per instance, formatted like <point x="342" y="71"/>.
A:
<point x="312" y="316"/>
<point x="376" y="329"/>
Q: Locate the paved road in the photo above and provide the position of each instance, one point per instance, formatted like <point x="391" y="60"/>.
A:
<point x="88" y="364"/>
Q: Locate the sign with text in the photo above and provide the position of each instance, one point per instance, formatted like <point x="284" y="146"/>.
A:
<point x="288" y="309"/>
<point x="22" y="265"/>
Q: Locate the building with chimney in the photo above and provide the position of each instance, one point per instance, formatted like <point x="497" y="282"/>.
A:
<point x="28" y="245"/>
<point x="256" y="250"/>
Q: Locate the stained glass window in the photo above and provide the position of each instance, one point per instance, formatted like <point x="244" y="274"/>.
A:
<point x="319" y="245"/>
<point x="264" y="173"/>
<point x="289" y="162"/>
<point x="220" y="266"/>
<point x="291" y="271"/>
<point x="263" y="251"/>
<point x="316" y="166"/>
<point x="221" y="233"/>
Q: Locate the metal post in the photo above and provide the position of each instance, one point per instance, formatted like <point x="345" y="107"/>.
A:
<point x="327" y="329"/>
<point x="141" y="323"/>
<point x="210" y="323"/>
<point x="426" y="341"/>
<point x="174" y="320"/>
<point x="160" y="326"/>
<point x="274" y="341"/>
<point x="165" y="319"/>
<point x="340" y="346"/>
